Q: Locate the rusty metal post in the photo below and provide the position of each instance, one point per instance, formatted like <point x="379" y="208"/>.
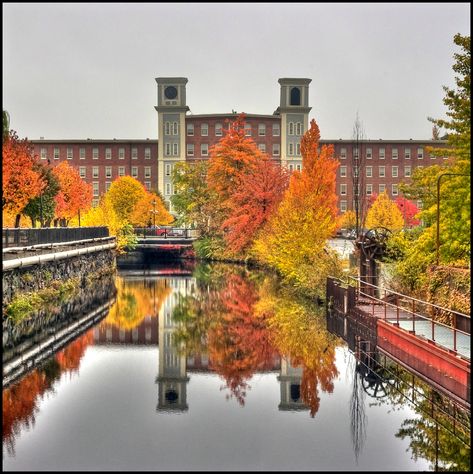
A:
<point x="433" y="325"/>
<point x="454" y="332"/>
<point x="397" y="309"/>
<point x="413" y="316"/>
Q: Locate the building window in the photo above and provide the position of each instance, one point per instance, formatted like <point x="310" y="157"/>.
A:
<point x="56" y="153"/>
<point x="419" y="204"/>
<point x="190" y="129"/>
<point x="147" y="171"/>
<point x="407" y="171"/>
<point x="420" y="153"/>
<point x="167" y="149"/>
<point x="276" y="149"/>
<point x="167" y="128"/>
<point x="381" y="188"/>
<point x="134" y="171"/>
<point x="204" y="149"/>
<point x="44" y="154"/>
<point x="147" y="153"/>
<point x="369" y="189"/>
<point x="382" y="171"/>
<point x="247" y="130"/>
<point x="291" y="128"/>
<point x="108" y="153"/>
<point x="108" y="171"/>
<point x="134" y="153"/>
<point x="394" y="190"/>
<point x="168" y="189"/>
<point x="95" y="171"/>
<point x="121" y="153"/>
<point x="295" y="96"/>
<point x="175" y="149"/>
<point x="276" y="130"/>
<point x="343" y="153"/>
<point x="107" y="185"/>
<point x="291" y="149"/>
<point x="95" y="188"/>
<point x="382" y="153"/>
<point x="148" y="185"/>
<point x="343" y="206"/>
<point x="343" y="171"/>
<point x="261" y="129"/>
<point x="95" y="153"/>
<point x="82" y="172"/>
<point x="167" y="169"/>
<point x="394" y="172"/>
<point x="355" y="171"/>
<point x="299" y="128"/>
<point x="204" y="129"/>
<point x="291" y="168"/>
<point x="343" y="190"/>
<point x="298" y="167"/>
<point x="298" y="149"/>
<point x="218" y="130"/>
<point x="190" y="149"/>
<point x="355" y="153"/>
<point x="262" y="147"/>
<point x="175" y="128"/>
<point x="121" y="171"/>
<point x="81" y="153"/>
<point x="69" y="154"/>
<point x="369" y="154"/>
<point x="394" y="154"/>
<point x="407" y="153"/>
<point x="369" y="171"/>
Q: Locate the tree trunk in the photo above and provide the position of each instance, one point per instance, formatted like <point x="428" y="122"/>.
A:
<point x="17" y="220"/>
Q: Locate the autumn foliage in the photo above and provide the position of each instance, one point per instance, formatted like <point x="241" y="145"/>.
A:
<point x="384" y="213"/>
<point x="74" y="193"/>
<point x="20" y="180"/>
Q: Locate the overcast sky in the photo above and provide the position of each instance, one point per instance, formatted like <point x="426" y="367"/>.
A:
<point x="87" y="70"/>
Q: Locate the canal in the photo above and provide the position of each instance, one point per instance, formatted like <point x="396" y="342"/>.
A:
<point x="217" y="367"/>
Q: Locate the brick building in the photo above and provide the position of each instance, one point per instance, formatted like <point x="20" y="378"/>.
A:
<point x="187" y="137"/>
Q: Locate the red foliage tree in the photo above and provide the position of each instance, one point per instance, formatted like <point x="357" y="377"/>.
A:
<point x="408" y="210"/>
<point x="251" y="205"/>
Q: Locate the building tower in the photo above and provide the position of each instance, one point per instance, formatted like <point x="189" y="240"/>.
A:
<point x="171" y="110"/>
<point x="294" y="111"/>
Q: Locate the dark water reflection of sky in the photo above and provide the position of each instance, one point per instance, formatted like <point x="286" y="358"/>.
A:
<point x="111" y="407"/>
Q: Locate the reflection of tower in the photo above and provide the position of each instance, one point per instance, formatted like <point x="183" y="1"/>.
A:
<point x="290" y="383"/>
<point x="172" y="375"/>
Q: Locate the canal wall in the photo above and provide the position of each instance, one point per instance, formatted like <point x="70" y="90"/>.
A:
<point x="40" y="296"/>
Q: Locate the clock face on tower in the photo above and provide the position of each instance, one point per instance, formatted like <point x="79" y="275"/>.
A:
<point x="170" y="92"/>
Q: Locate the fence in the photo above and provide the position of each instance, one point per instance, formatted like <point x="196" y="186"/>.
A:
<point x="47" y="235"/>
<point x="165" y="232"/>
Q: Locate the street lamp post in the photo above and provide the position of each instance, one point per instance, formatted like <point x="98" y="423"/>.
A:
<point x="437" y="242"/>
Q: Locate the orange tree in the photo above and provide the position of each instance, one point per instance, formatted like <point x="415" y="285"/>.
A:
<point x="20" y="179"/>
<point x="294" y="240"/>
<point x="142" y="213"/>
<point x="384" y="213"/>
<point x="74" y="193"/>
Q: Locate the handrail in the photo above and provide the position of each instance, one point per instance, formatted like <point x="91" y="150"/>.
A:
<point x="410" y="297"/>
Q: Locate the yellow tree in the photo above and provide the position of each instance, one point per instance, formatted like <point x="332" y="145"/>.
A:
<point x="149" y="204"/>
<point x="124" y="193"/>
<point x="294" y="240"/>
<point x="384" y="213"/>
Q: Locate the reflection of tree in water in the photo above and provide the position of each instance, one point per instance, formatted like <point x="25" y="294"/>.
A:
<point x="298" y="331"/>
<point x="358" y="420"/>
<point x="20" y="400"/>
<point x="135" y="300"/>
<point x="441" y="432"/>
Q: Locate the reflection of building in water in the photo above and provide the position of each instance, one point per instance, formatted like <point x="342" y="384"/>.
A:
<point x="290" y="383"/>
<point x="172" y="375"/>
<point x="145" y="333"/>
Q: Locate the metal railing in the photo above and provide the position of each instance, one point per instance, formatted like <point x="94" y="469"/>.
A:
<point x="19" y="237"/>
<point x="406" y="308"/>
<point x="166" y="232"/>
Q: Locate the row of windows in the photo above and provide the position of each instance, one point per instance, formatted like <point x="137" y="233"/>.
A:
<point x="204" y="149"/>
<point x="96" y="187"/>
<point x="108" y="171"/>
<point x="204" y="129"/>
<point x="382" y="153"/>
<point x="95" y="153"/>
<point x="369" y="189"/>
<point x="394" y="193"/>
<point x="381" y="171"/>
